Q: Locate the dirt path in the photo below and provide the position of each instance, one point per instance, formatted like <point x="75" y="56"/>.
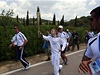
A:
<point x="6" y="66"/>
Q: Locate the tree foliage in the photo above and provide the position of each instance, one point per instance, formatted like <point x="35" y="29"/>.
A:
<point x="54" y="20"/>
<point x="33" y="21"/>
<point x="27" y="18"/>
<point x="17" y="19"/>
<point x="24" y="21"/>
<point x="5" y="18"/>
<point x="76" y="21"/>
<point x="62" y="21"/>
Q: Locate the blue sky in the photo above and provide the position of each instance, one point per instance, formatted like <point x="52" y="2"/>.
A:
<point x="68" y="8"/>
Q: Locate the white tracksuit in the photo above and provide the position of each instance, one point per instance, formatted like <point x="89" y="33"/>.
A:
<point x="92" y="51"/>
<point x="55" y="47"/>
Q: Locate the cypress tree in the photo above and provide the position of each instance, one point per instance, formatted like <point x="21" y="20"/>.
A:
<point x="27" y="18"/>
<point x="76" y="21"/>
<point x="62" y="20"/>
<point x="17" y="18"/>
<point x="33" y="20"/>
<point x="54" y="20"/>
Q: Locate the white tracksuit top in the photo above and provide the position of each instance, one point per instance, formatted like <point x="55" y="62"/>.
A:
<point x="64" y="36"/>
<point x="92" y="51"/>
<point x="19" y="38"/>
<point x="55" y="44"/>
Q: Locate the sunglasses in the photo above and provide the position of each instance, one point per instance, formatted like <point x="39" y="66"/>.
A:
<point x="15" y="28"/>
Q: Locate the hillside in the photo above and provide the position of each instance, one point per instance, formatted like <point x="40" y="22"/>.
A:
<point x="81" y="22"/>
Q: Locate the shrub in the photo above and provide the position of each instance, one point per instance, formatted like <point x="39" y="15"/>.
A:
<point x="34" y="45"/>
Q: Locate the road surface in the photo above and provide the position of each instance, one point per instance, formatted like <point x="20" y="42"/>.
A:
<point x="46" y="68"/>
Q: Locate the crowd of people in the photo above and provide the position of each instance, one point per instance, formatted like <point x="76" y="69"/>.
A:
<point x="57" y="42"/>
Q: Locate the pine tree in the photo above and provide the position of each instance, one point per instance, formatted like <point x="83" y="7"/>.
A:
<point x="62" y="21"/>
<point x="27" y="18"/>
<point x="76" y="21"/>
<point x="54" y="20"/>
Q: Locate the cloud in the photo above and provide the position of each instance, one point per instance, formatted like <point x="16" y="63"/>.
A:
<point x="92" y="2"/>
<point x="3" y="5"/>
<point x="68" y="8"/>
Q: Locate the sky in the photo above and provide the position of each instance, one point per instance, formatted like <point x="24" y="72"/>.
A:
<point x="68" y="8"/>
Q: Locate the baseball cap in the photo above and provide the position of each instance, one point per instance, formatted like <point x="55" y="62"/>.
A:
<point x="67" y="30"/>
<point x="60" y="26"/>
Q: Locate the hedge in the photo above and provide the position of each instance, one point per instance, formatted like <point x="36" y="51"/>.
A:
<point x="34" y="45"/>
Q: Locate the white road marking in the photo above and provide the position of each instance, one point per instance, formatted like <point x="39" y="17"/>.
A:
<point x="75" y="52"/>
<point x="7" y="73"/>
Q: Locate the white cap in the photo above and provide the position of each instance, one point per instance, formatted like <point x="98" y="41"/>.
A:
<point x="60" y="26"/>
<point x="67" y="30"/>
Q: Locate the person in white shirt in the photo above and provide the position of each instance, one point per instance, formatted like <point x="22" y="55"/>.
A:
<point x="66" y="38"/>
<point x="56" y="49"/>
<point x="69" y="33"/>
<point x="91" y="34"/>
<point x="21" y="41"/>
<point x="93" y="47"/>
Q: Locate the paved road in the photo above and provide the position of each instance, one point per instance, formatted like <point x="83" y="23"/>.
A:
<point x="47" y="68"/>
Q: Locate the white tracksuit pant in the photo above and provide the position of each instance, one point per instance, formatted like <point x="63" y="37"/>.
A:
<point x="56" y="63"/>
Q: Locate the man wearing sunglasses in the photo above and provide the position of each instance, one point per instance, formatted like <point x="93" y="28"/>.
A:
<point x="21" y="41"/>
<point x="92" y="53"/>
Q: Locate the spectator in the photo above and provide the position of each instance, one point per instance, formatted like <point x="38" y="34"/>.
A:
<point x="69" y="33"/>
<point x="86" y="36"/>
<point x="47" y="48"/>
<point x="91" y="34"/>
<point x="75" y="40"/>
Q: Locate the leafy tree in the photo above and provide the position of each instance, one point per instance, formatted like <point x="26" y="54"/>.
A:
<point x="9" y="13"/>
<point x="80" y="23"/>
<point x="6" y="17"/>
<point x="2" y="13"/>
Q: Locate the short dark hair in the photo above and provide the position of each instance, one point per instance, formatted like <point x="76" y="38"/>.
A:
<point x="96" y="11"/>
<point x="16" y="26"/>
<point x="47" y="29"/>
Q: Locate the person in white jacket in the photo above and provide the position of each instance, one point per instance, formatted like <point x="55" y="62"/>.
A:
<point x="55" y="43"/>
